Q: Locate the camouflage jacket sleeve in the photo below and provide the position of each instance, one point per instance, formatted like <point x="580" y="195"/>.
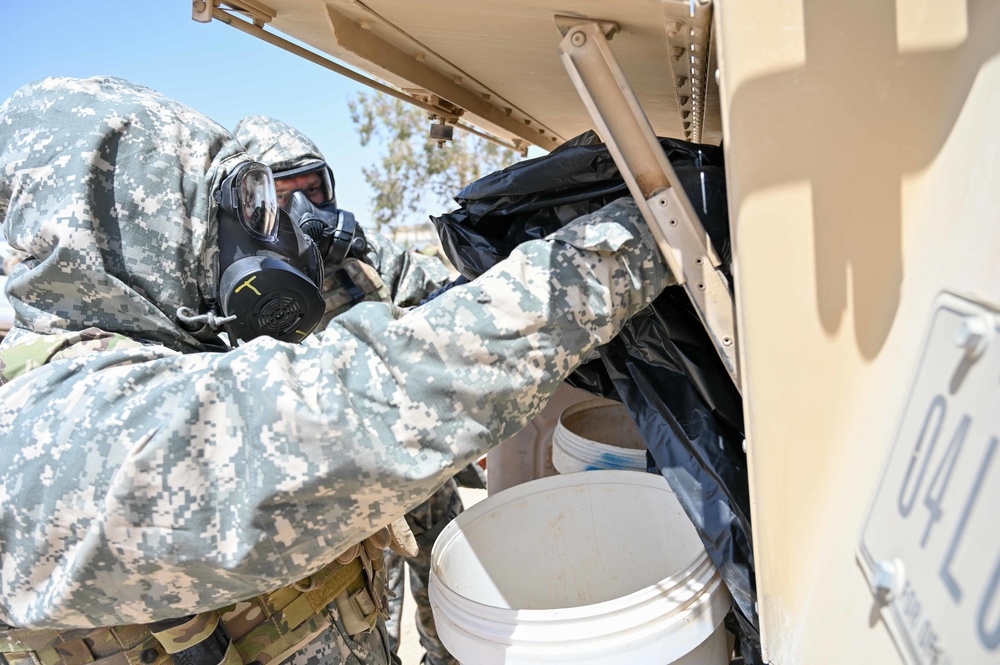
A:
<point x="139" y="483"/>
<point x="410" y="276"/>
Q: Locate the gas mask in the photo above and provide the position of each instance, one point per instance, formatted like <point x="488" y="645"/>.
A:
<point x="326" y="184"/>
<point x="271" y="271"/>
<point x="335" y="232"/>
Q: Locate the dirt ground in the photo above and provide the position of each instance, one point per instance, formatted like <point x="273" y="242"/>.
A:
<point x="410" y="650"/>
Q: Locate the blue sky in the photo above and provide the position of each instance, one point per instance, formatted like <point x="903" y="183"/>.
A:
<point x="213" y="68"/>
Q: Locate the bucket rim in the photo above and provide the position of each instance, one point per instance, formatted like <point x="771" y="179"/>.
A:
<point x="697" y="565"/>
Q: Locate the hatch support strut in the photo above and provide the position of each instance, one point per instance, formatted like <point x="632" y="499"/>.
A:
<point x="626" y="131"/>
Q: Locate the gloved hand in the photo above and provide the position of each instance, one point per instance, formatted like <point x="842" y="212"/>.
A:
<point x="335" y="232"/>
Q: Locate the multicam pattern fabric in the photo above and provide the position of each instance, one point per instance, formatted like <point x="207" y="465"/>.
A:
<point x="9" y="257"/>
<point x="153" y="482"/>
<point x="33" y="350"/>
<point x="409" y="276"/>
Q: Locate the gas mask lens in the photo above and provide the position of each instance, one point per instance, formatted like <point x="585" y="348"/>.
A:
<point x="315" y="180"/>
<point x="248" y="194"/>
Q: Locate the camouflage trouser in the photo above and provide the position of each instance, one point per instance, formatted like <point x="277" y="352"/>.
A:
<point x="426" y="522"/>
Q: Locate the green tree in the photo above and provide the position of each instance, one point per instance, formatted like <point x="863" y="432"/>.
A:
<point x="413" y="174"/>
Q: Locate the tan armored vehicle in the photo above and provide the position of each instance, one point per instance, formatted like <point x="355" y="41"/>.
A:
<point x="862" y="146"/>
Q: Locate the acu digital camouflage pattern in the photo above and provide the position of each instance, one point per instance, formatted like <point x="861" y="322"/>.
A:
<point x="410" y="278"/>
<point x="151" y="482"/>
<point x="279" y="145"/>
<point x="109" y="189"/>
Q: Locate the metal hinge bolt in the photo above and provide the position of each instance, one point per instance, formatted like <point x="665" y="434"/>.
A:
<point x="888" y="577"/>
<point x="972" y="334"/>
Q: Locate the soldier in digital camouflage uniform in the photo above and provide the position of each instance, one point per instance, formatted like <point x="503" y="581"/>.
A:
<point x="409" y="278"/>
<point x="169" y="500"/>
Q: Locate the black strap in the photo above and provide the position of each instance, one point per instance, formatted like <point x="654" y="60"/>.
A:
<point x="427" y="538"/>
<point x="357" y="295"/>
<point x="210" y="651"/>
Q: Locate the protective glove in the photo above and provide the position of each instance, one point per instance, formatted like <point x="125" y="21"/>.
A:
<point x="335" y="232"/>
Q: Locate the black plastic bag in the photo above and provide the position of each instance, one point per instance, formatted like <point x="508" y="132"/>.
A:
<point x="687" y="409"/>
<point x="663" y="366"/>
<point x="533" y="198"/>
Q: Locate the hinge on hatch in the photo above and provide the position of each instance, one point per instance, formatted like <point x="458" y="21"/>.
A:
<point x="679" y="233"/>
<point x="688" y="25"/>
<point x="442" y="127"/>
<point x="258" y="12"/>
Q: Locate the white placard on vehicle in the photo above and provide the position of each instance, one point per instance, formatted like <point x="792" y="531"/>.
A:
<point x="930" y="546"/>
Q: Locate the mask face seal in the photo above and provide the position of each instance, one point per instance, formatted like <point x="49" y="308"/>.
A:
<point x="271" y="271"/>
<point x="326" y="182"/>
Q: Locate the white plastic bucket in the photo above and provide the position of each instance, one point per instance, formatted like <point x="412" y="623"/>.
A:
<point x="597" y="434"/>
<point x="528" y="454"/>
<point x="596" y="568"/>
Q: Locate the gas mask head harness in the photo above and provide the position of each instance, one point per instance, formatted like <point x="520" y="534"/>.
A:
<point x="271" y="271"/>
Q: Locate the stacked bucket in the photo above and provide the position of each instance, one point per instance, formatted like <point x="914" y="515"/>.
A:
<point x="596" y="566"/>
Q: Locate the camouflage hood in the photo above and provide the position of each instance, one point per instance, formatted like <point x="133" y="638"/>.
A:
<point x="114" y="182"/>
<point x="280" y="146"/>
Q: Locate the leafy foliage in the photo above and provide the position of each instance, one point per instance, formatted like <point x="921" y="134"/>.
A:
<point x="413" y="174"/>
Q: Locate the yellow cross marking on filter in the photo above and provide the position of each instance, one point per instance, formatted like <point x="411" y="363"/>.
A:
<point x="248" y="285"/>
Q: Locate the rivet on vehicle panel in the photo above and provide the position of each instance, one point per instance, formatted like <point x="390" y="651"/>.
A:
<point x="727" y="341"/>
<point x="578" y="39"/>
